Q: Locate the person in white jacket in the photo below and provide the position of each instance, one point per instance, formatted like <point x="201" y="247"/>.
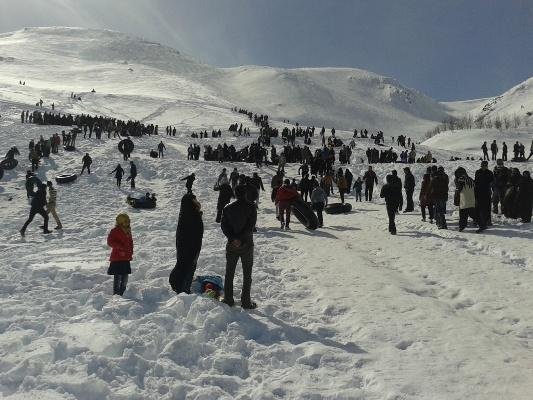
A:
<point x="467" y="200"/>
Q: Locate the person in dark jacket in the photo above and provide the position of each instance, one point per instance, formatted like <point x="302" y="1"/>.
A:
<point x="87" y="161"/>
<point x="189" y="182"/>
<point x="31" y="182"/>
<point x="349" y="179"/>
<point x="38" y="202"/>
<point x="390" y="193"/>
<point x="121" y="243"/>
<point x="397" y="183"/>
<point x="133" y="174"/>
<point x="525" y="197"/>
<point x="499" y="186"/>
<point x="369" y="178"/>
<point x="305" y="187"/>
<point x="424" y="198"/>
<point x="238" y="221"/>
<point x="225" y="194"/>
<point x="483" y="183"/>
<point x="119" y="173"/>
<point x="409" y="186"/>
<point x="438" y="193"/>
<point x="189" y="234"/>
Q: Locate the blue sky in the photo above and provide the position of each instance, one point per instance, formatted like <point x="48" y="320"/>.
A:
<point x="448" y="49"/>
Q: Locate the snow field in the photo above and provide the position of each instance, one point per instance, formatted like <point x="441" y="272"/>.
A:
<point x="345" y="312"/>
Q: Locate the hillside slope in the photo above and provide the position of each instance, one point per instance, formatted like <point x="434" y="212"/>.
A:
<point x="77" y="60"/>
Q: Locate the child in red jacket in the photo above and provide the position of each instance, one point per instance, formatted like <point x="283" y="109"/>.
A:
<point x="121" y="242"/>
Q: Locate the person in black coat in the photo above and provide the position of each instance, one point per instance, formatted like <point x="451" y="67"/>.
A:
<point x="225" y="193"/>
<point x="133" y="174"/>
<point x="238" y="221"/>
<point x="409" y="186"/>
<point x="119" y="173"/>
<point x="483" y="190"/>
<point x="397" y="183"/>
<point x="392" y="195"/>
<point x="525" y="196"/>
<point x="38" y="202"/>
<point x="189" y="234"/>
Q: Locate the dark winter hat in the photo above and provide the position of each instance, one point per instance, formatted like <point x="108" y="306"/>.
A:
<point x="460" y="172"/>
<point x="484" y="163"/>
<point x="240" y="192"/>
<point x="287" y="182"/>
<point x="187" y="205"/>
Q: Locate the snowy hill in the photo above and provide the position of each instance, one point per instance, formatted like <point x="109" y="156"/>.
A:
<point x="347" y="312"/>
<point x="73" y="59"/>
<point x="515" y="101"/>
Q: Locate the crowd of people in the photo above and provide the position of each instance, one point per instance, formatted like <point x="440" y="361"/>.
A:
<point x="502" y="190"/>
<point x="519" y="151"/>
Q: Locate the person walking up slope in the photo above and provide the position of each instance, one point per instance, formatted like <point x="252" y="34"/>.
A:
<point x="238" y="221"/>
<point x="119" y="173"/>
<point x="284" y="198"/>
<point x="319" y="200"/>
<point x="390" y="193"/>
<point x="121" y="243"/>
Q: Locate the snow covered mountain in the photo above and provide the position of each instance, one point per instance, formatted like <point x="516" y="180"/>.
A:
<point x="346" y="312"/>
<point x="74" y="59"/>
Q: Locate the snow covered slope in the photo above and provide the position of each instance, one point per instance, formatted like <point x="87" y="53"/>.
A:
<point x="336" y="97"/>
<point x="469" y="141"/>
<point x="516" y="101"/>
<point x="345" y="313"/>
<point x="76" y="60"/>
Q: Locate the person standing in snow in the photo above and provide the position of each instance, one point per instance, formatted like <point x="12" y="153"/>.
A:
<point x="119" y="173"/>
<point x="464" y="186"/>
<point x="133" y="174"/>
<point x="225" y="193"/>
<point x="284" y="197"/>
<point x="358" y="187"/>
<point x="160" y="148"/>
<point x="525" y="197"/>
<point x="494" y="150"/>
<point x="121" y="242"/>
<point x="483" y="189"/>
<point x="409" y="186"/>
<point x="189" y="234"/>
<point x="390" y="193"/>
<point x="485" y="151"/>
<point x="31" y="181"/>
<point x="319" y="200"/>
<point x="238" y="221"/>
<point x="86" y="161"/>
<point x="425" y="199"/>
<point x="222" y="178"/>
<point x="51" y="205"/>
<point x="439" y="187"/>
<point x="38" y="202"/>
<point x="189" y="182"/>
<point x="342" y="185"/>
<point x="234" y="178"/>
<point x="369" y="178"/>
